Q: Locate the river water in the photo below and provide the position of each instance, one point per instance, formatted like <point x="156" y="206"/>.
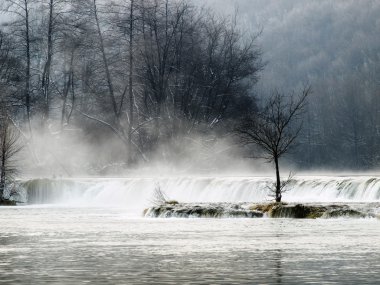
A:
<point x="50" y="244"/>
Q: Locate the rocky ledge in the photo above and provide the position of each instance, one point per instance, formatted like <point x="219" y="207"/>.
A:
<point x="270" y="210"/>
<point x="6" y="202"/>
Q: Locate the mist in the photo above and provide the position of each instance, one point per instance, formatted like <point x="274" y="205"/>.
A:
<point x="73" y="153"/>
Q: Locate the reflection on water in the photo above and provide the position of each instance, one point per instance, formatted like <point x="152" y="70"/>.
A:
<point x="278" y="266"/>
<point x="106" y="246"/>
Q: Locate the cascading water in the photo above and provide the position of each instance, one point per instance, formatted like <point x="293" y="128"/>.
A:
<point x="137" y="193"/>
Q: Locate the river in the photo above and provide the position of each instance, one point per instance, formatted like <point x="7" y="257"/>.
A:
<point x="71" y="243"/>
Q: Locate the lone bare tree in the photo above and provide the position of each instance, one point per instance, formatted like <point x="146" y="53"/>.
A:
<point x="275" y="129"/>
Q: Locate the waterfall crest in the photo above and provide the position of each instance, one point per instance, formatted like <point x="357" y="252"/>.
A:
<point x="138" y="192"/>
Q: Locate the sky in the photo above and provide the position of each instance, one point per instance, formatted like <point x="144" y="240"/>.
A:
<point x="309" y="41"/>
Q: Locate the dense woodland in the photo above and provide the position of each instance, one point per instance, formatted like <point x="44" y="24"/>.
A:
<point x="145" y="72"/>
<point x="149" y="73"/>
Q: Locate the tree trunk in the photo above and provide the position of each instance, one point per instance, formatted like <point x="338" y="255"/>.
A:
<point x="46" y="72"/>
<point x="278" y="180"/>
<point x="3" y="161"/>
<point x="131" y="97"/>
<point x="69" y="83"/>
<point x="27" y="71"/>
<point x="73" y="99"/>
<point x="106" y="66"/>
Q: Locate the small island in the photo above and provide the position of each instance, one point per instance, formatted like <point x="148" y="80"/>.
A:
<point x="250" y="210"/>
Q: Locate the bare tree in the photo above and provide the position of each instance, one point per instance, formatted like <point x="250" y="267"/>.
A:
<point x="130" y="81"/>
<point x="21" y="25"/>
<point x="275" y="129"/>
<point x="9" y="148"/>
<point x="55" y="9"/>
<point x="106" y="63"/>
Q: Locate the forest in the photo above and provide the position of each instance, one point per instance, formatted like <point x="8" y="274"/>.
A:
<point x="142" y="80"/>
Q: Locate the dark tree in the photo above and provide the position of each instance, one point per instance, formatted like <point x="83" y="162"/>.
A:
<point x="9" y="148"/>
<point x="275" y="129"/>
<point x="20" y="10"/>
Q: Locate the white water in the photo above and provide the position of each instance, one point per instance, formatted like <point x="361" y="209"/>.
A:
<point x="137" y="193"/>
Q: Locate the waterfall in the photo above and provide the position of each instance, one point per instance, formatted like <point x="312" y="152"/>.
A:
<point x="138" y="192"/>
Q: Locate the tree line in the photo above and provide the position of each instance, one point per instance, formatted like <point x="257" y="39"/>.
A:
<point x="144" y="71"/>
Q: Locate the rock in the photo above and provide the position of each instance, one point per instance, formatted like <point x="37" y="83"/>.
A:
<point x="6" y="202"/>
<point x="344" y="212"/>
<point x="202" y="210"/>
<point x="272" y="210"/>
<point x="298" y="211"/>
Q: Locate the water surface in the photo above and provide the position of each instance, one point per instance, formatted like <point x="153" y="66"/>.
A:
<point x="74" y="245"/>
